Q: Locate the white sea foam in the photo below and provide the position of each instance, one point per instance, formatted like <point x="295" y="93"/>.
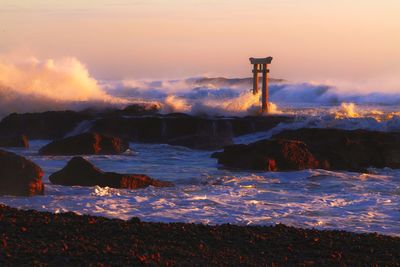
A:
<point x="30" y="84"/>
<point x="105" y="191"/>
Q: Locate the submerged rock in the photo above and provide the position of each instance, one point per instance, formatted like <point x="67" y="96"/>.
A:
<point x="79" y="171"/>
<point x="269" y="155"/>
<point x="86" y="144"/>
<point x="354" y="150"/>
<point x="14" y="141"/>
<point x="19" y="176"/>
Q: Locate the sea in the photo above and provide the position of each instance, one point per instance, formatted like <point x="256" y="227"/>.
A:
<point x="206" y="192"/>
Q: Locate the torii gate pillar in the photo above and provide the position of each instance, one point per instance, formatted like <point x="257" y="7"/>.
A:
<point x="261" y="65"/>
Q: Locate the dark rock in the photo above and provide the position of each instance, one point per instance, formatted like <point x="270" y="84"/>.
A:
<point x="178" y="129"/>
<point x="204" y="142"/>
<point x="252" y="124"/>
<point x="19" y="176"/>
<point x="139" y="123"/>
<point x="86" y="144"/>
<point x="177" y="115"/>
<point x="333" y="149"/>
<point x="216" y="155"/>
<point x="45" y="125"/>
<point x="79" y="171"/>
<point x="14" y="141"/>
<point x="268" y="155"/>
<point x="137" y="109"/>
<point x="153" y="129"/>
<point x="193" y="132"/>
<point x="354" y="150"/>
<point x="130" y="110"/>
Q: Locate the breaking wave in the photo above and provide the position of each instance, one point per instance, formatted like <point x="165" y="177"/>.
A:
<point x="225" y="96"/>
<point x="33" y="85"/>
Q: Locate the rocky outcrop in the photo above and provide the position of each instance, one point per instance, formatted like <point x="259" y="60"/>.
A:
<point x="79" y="171"/>
<point x="137" y="123"/>
<point x="162" y="128"/>
<point x="45" y="125"/>
<point x="203" y="142"/>
<point x="354" y="150"/>
<point x="14" y="141"/>
<point x="86" y="144"/>
<point x="136" y="110"/>
<point x="185" y="130"/>
<point x="269" y="155"/>
<point x="331" y="149"/>
<point x="19" y="176"/>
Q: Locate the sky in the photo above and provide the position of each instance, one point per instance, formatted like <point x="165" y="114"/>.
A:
<point x="310" y="40"/>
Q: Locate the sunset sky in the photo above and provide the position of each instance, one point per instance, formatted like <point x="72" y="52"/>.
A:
<point x="310" y="40"/>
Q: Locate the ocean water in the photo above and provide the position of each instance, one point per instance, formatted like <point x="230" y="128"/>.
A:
<point x="204" y="192"/>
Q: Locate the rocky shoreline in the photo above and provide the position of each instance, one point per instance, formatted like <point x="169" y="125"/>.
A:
<point x="45" y="239"/>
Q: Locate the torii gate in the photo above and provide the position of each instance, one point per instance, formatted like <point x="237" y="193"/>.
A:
<point x="260" y="65"/>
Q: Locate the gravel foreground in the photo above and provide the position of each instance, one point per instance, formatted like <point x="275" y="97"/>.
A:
<point x="32" y="238"/>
